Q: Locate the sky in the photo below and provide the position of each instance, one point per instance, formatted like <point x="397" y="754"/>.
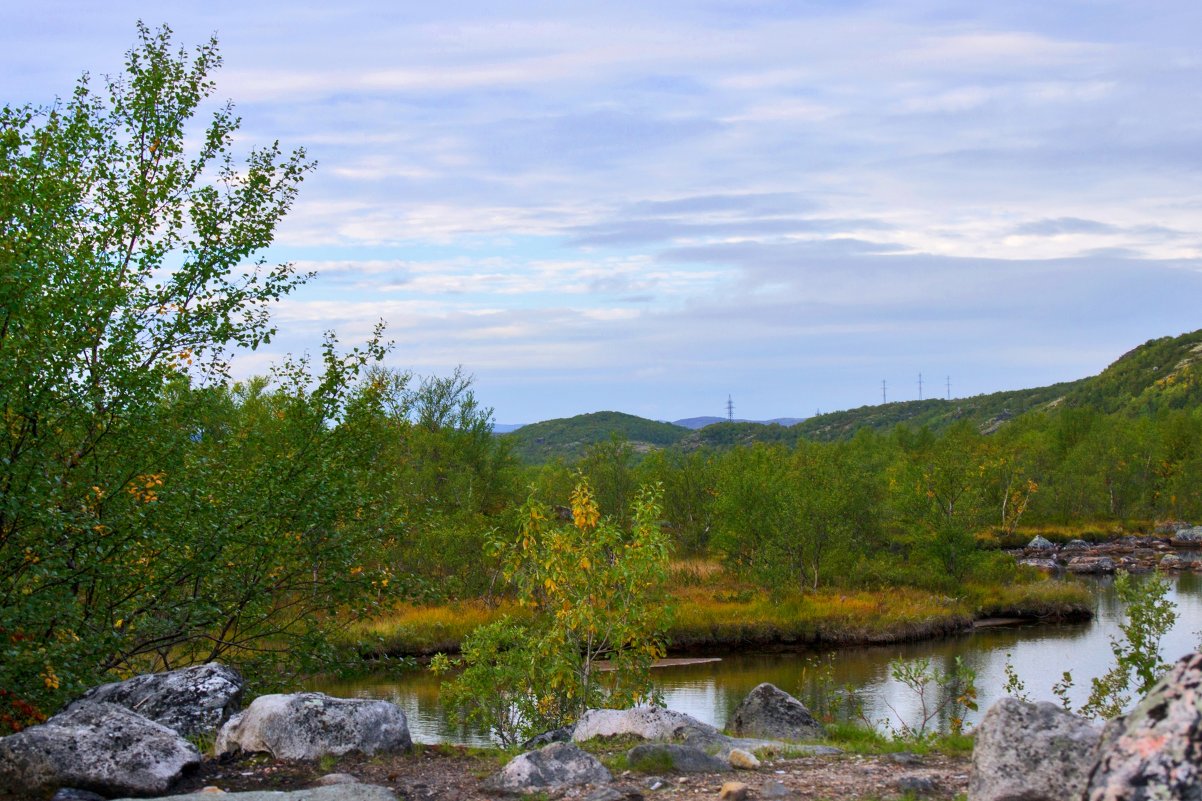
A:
<point x="652" y="207"/>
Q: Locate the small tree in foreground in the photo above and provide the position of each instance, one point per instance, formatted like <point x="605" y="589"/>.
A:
<point x="598" y="621"/>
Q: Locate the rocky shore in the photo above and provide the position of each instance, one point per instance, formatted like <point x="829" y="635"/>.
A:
<point x="1173" y="547"/>
<point x="311" y="747"/>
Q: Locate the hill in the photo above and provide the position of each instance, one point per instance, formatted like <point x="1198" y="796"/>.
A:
<point x="568" y="437"/>
<point x="701" y="422"/>
<point x="1163" y="373"/>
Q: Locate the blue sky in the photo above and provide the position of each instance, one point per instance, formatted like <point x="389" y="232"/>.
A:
<point x="649" y="207"/>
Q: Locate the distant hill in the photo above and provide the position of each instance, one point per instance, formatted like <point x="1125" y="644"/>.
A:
<point x="701" y="422"/>
<point x="1163" y="373"/>
<point x="569" y="437"/>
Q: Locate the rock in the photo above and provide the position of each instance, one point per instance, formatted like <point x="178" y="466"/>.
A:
<point x="733" y="791"/>
<point x="1170" y="526"/>
<point x="672" y="757"/>
<point x="1041" y="543"/>
<point x="917" y="785"/>
<point x="648" y="722"/>
<point x="1154" y="751"/>
<point x="550" y="768"/>
<point x="95" y="746"/>
<point x="1031" y="752"/>
<point x="1049" y="565"/>
<point x="1076" y="545"/>
<point x="336" y="778"/>
<point x="561" y="735"/>
<point x="341" y="792"/>
<point x="1170" y="561"/>
<point x="1091" y="564"/>
<point x="775" y="789"/>
<point x="311" y="725"/>
<point x="742" y="760"/>
<point x="192" y="700"/>
<point x="1188" y="537"/>
<point x="768" y="711"/>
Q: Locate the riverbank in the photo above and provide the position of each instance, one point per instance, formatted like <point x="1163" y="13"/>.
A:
<point x="710" y="619"/>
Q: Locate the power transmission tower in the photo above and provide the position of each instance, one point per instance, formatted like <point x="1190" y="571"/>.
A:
<point x="949" y="387"/>
<point x="883" y="401"/>
<point x="730" y="409"/>
<point x="920" y="386"/>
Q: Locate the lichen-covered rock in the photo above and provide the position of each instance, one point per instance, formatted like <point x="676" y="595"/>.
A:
<point x="1041" y="543"/>
<point x="192" y="700"/>
<point x="1031" y="752"/>
<point x="1188" y="536"/>
<point x="1154" y="752"/>
<point x="648" y="722"/>
<point x="550" y="768"/>
<point x="1049" y="565"/>
<point x="311" y="725"/>
<point x="742" y="759"/>
<point x="768" y="711"/>
<point x="94" y="746"/>
<point x="675" y="758"/>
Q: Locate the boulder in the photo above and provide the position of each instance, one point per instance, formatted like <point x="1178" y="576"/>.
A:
<point x="1189" y="537"/>
<point x="312" y="725"/>
<point x="768" y="711"/>
<point x="734" y="791"/>
<point x="657" y="757"/>
<point x="192" y="700"/>
<point x="741" y="759"/>
<point x="1031" y="752"/>
<point x="648" y="722"/>
<point x="1077" y="545"/>
<point x="549" y="769"/>
<point x="1091" y="564"/>
<point x="1170" y="526"/>
<point x="1154" y="751"/>
<point x="95" y="746"/>
<point x="1170" y="561"/>
<point x="1050" y="565"/>
<point x="1041" y="543"/>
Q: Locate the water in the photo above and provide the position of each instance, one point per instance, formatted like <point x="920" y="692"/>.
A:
<point x="711" y="690"/>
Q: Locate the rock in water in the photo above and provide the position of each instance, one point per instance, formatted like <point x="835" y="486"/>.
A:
<point x="311" y="725"/>
<point x="1041" y="543"/>
<point x="551" y="768"/>
<point x="95" y="746"/>
<point x="1031" y="752"/>
<point x="192" y="700"/>
<point x="768" y="711"/>
<point x="1154" y="752"/>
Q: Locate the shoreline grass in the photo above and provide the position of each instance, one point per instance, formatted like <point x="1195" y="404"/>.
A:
<point x="729" y="615"/>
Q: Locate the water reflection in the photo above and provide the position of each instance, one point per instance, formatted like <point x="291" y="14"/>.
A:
<point x="710" y="691"/>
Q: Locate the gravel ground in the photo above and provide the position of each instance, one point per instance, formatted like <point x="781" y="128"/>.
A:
<point x="455" y="774"/>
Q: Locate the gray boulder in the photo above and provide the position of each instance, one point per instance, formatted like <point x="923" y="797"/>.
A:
<point x="1188" y="536"/>
<point x="1031" y="752"/>
<point x="1049" y="565"/>
<point x="1155" y="751"/>
<point x="192" y="700"/>
<point x="648" y="722"/>
<point x="1041" y="543"/>
<point x="1076" y="545"/>
<point x="551" y="768"/>
<point x="94" y="746"/>
<point x="311" y="725"/>
<point x="768" y="711"/>
<point x="656" y="757"/>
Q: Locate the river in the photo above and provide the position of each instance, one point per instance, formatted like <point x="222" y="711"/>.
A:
<point x="711" y="689"/>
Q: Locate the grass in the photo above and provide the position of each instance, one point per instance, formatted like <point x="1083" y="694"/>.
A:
<point x="854" y="738"/>
<point x="714" y="610"/>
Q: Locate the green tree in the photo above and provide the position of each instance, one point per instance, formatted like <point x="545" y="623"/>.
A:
<point x="129" y="263"/>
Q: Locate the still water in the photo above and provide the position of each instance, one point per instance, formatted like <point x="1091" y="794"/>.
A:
<point x="710" y="690"/>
